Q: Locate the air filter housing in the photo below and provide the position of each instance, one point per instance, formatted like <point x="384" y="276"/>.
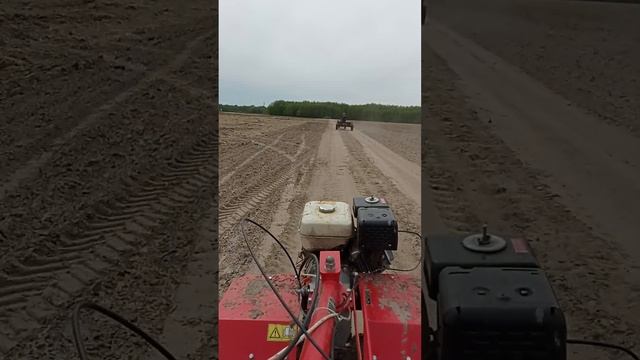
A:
<point x="376" y="234"/>
<point x="499" y="313"/>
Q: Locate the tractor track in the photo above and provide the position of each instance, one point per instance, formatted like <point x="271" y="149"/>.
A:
<point x="107" y="167"/>
<point x="270" y="167"/>
<point x="232" y="209"/>
<point x="187" y="329"/>
<point x="235" y="209"/>
<point x="263" y="148"/>
<point x="35" y="286"/>
<point x="443" y="191"/>
<point x="35" y="162"/>
<point x="283" y="225"/>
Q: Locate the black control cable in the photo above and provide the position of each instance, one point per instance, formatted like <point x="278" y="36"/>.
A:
<point x="421" y="251"/>
<point x="77" y="337"/>
<point x="312" y="309"/>
<point x="277" y="293"/>
<point x="604" y="345"/>
<point x="314" y="304"/>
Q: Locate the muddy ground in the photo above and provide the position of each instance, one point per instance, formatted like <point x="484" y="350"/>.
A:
<point x="107" y="174"/>
<point x="270" y="167"/>
<point x="531" y="112"/>
<point x="586" y="51"/>
<point x="400" y="138"/>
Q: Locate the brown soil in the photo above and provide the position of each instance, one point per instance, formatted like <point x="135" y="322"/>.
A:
<point x="270" y="167"/>
<point x="107" y="174"/>
<point x="395" y="137"/>
<point x="586" y="51"/>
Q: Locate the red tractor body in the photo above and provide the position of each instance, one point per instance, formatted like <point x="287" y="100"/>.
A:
<point x="384" y="312"/>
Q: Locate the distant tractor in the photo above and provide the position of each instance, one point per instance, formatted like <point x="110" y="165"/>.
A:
<point x="344" y="123"/>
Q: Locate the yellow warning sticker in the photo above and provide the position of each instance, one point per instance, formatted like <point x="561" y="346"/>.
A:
<point x="280" y="332"/>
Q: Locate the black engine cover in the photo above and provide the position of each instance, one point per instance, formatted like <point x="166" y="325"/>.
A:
<point x="377" y="229"/>
<point x="376" y="234"/>
<point x="499" y="313"/>
<point x="448" y="250"/>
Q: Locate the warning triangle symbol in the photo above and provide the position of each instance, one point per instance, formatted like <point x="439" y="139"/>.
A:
<point x="275" y="334"/>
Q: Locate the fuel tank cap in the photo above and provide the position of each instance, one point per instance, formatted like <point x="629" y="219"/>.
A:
<point x="484" y="242"/>
<point x="327" y="208"/>
<point x="372" y="200"/>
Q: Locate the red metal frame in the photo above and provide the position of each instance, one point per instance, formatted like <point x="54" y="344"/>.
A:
<point x="245" y="314"/>
<point x="391" y="310"/>
<point x="331" y="295"/>
<point x="252" y="322"/>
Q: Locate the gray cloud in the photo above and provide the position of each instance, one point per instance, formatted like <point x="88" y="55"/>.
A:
<point x="353" y="51"/>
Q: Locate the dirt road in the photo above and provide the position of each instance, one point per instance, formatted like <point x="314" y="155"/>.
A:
<point x="107" y="174"/>
<point x="270" y="167"/>
<point x="519" y="136"/>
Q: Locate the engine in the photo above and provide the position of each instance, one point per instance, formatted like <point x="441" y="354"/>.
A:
<point x="376" y="235"/>
<point x="366" y="232"/>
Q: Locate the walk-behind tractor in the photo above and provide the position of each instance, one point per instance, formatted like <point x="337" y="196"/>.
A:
<point x="484" y="296"/>
<point x="338" y="303"/>
<point x="344" y="124"/>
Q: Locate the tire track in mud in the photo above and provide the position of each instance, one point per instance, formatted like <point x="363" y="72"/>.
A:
<point x="452" y="208"/>
<point x="234" y="257"/>
<point x="31" y="166"/>
<point x="284" y="224"/>
<point x="233" y="207"/>
<point x="248" y="160"/>
<point x="233" y="211"/>
<point x="237" y="155"/>
<point x="235" y="204"/>
<point x="202" y="94"/>
<point x="36" y="285"/>
<point x="186" y="327"/>
<point x="331" y="176"/>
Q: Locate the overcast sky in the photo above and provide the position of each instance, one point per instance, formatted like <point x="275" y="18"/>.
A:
<point x="352" y="51"/>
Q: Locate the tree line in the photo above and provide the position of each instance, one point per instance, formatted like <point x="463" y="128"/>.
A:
<point x="247" y="109"/>
<point x="332" y="110"/>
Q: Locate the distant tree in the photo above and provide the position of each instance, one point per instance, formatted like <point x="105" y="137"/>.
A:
<point x="249" y="109"/>
<point x="313" y="109"/>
